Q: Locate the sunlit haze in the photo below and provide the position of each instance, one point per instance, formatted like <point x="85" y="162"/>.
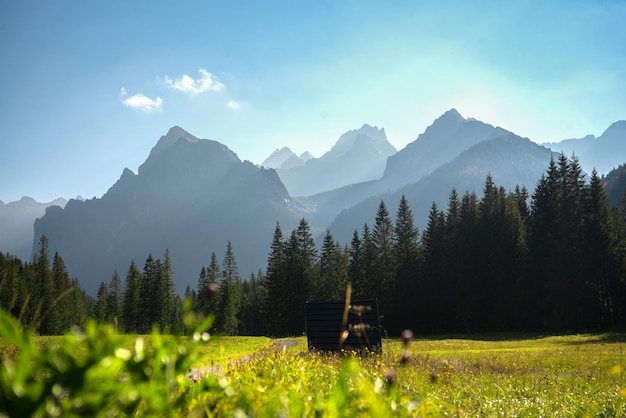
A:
<point x="89" y="87"/>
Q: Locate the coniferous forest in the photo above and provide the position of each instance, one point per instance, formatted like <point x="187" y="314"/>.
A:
<point x="506" y="261"/>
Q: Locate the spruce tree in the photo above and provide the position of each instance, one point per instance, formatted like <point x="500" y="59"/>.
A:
<point x="132" y="299"/>
<point x="333" y="271"/>
<point x="407" y="257"/>
<point x="230" y="298"/>
<point x="60" y="312"/>
<point x="275" y="309"/>
<point x="114" y="308"/>
<point x="100" y="312"/>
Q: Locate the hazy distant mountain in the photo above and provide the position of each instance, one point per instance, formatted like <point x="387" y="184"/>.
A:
<point x="442" y="142"/>
<point x="359" y="155"/>
<point x="510" y="159"/>
<point x="16" y="224"/>
<point x="191" y="196"/>
<point x="603" y="153"/>
<point x="285" y="158"/>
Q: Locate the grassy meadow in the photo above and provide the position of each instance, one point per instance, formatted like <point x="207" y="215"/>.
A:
<point x="492" y="376"/>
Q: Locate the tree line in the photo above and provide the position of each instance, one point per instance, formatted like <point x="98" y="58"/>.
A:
<point x="553" y="260"/>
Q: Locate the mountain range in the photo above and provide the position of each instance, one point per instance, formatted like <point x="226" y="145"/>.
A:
<point x="285" y="158"/>
<point x="604" y="153"/>
<point x="16" y="224"/>
<point x="194" y="195"/>
<point x="359" y="155"/>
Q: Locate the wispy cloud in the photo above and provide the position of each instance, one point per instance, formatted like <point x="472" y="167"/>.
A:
<point x="191" y="86"/>
<point x="233" y="104"/>
<point x="141" y="102"/>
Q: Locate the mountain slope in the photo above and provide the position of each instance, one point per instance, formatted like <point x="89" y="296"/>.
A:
<point x="511" y="161"/>
<point x="16" y="224"/>
<point x="191" y="196"/>
<point x="359" y="155"/>
<point x="604" y="153"/>
<point x="443" y="141"/>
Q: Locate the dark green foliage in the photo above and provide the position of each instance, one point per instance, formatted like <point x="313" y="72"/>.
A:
<point x="229" y="299"/>
<point x="42" y="297"/>
<point x="275" y="310"/>
<point x="131" y="305"/>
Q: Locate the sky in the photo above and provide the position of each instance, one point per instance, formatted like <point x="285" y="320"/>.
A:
<point x="88" y="87"/>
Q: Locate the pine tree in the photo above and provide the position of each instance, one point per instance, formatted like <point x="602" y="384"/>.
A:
<point x="407" y="257"/>
<point x="148" y="295"/>
<point x="100" y="312"/>
<point x="301" y="276"/>
<point x="132" y="299"/>
<point x="601" y="258"/>
<point x="385" y="280"/>
<point x="275" y="309"/>
<point x="114" y="307"/>
<point x="59" y="312"/>
<point x="44" y="292"/>
<point x="251" y="321"/>
<point x="230" y="295"/>
<point x="167" y="294"/>
<point x="333" y="271"/>
<point x="355" y="270"/>
<point x="367" y="287"/>
<point x="207" y="286"/>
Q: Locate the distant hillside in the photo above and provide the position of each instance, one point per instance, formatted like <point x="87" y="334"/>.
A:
<point x="359" y="155"/>
<point x="192" y="196"/>
<point x="16" y="224"/>
<point x="509" y="159"/>
<point x="604" y="153"/>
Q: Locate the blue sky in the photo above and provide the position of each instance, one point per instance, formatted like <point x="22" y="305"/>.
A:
<point x="88" y="87"/>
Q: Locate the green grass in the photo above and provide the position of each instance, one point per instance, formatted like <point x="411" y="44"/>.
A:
<point x="220" y="351"/>
<point x="577" y="375"/>
<point x="492" y="376"/>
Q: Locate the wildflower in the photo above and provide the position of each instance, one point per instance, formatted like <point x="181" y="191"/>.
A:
<point x="390" y="376"/>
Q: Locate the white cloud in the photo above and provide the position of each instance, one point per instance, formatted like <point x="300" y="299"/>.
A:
<point x="233" y="104"/>
<point x="143" y="103"/>
<point x="123" y="91"/>
<point x="191" y="86"/>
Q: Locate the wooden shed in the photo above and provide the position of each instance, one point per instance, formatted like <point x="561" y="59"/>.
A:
<point x="324" y="325"/>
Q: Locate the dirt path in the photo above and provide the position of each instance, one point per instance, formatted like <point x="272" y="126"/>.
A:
<point x="280" y="345"/>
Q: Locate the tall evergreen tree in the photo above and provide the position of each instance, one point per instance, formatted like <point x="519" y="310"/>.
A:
<point x="275" y="308"/>
<point x="385" y="280"/>
<point x="148" y="296"/>
<point x="301" y="275"/>
<point x="100" y="312"/>
<point x="230" y="295"/>
<point x="44" y="292"/>
<point x="115" y="300"/>
<point x="132" y="299"/>
<point x="333" y="271"/>
<point x="407" y="257"/>
<point x="167" y="294"/>
<point x="59" y="311"/>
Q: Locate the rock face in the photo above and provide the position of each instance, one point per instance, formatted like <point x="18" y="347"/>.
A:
<point x="16" y="224"/>
<point x="190" y="196"/>
<point x="359" y="155"/>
